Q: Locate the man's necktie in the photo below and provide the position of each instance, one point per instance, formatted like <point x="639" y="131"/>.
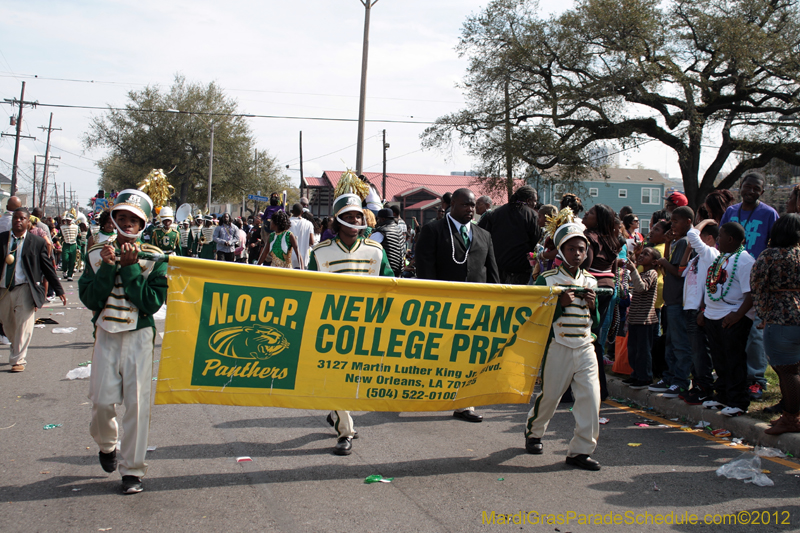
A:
<point x="465" y="236"/>
<point x="11" y="268"/>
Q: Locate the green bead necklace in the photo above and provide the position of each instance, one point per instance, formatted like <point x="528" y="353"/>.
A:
<point x="715" y="272"/>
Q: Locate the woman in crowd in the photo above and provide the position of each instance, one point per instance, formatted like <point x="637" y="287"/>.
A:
<point x="281" y="243"/>
<point x="240" y="253"/>
<point x="601" y="262"/>
<point x="775" y="289"/>
<point x="327" y="232"/>
<point x="717" y="202"/>
<point x="574" y="203"/>
<point x="630" y="230"/>
<point x="370" y="221"/>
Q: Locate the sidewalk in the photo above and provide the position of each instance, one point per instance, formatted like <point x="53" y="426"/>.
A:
<point x="743" y="427"/>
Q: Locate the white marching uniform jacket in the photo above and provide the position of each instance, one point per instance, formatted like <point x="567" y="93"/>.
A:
<point x="363" y="260"/>
<point x="573" y="328"/>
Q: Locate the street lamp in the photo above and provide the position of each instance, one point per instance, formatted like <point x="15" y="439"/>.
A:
<point x="210" y="153"/>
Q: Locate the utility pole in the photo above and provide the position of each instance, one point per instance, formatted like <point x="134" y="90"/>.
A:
<point x="49" y="129"/>
<point x="58" y="205"/>
<point x="301" y="159"/>
<point x="255" y="202"/>
<point x="385" y="146"/>
<point x="33" y="194"/>
<point x="362" y="103"/>
<point x="210" y="169"/>
<point x="22" y="103"/>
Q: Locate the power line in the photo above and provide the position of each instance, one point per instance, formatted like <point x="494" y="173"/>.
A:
<point x="231" y="115"/>
<point x="99" y="82"/>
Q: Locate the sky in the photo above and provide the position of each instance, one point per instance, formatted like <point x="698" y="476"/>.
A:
<point x="299" y="59"/>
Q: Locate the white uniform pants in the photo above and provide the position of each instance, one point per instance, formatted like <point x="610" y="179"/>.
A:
<point x="17" y="314"/>
<point x="343" y="423"/>
<point x="122" y="373"/>
<point x="563" y="367"/>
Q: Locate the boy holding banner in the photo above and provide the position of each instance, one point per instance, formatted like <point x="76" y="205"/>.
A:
<point x="123" y="292"/>
<point x="570" y="359"/>
<point x="348" y="253"/>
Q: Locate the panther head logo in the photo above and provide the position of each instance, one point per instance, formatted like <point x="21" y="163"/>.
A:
<point x="248" y="342"/>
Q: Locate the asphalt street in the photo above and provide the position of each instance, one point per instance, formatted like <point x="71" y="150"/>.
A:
<point x="449" y="475"/>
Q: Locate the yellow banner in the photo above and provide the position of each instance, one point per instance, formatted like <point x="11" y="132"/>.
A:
<point x="246" y="335"/>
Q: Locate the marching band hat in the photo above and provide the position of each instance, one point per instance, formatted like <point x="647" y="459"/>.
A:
<point x="166" y="213"/>
<point x="136" y="202"/>
<point x="345" y="203"/>
<point x="566" y="232"/>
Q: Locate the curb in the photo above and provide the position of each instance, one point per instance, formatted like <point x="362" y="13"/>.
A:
<point x="748" y="429"/>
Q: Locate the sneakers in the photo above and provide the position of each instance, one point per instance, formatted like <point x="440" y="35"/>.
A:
<point x="673" y="392"/>
<point x="4" y="340"/>
<point x="628" y="381"/>
<point x="696" y="396"/>
<point x="131" y="485"/>
<point x="733" y="411"/>
<point x="109" y="461"/>
<point x="640" y="384"/>
<point x="755" y="391"/>
<point x="661" y="386"/>
<point x="714" y="404"/>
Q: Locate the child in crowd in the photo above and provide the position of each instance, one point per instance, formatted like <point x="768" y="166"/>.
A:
<point x="728" y="318"/>
<point x="642" y="319"/>
<point x="702" y="240"/>
<point x="678" y="352"/>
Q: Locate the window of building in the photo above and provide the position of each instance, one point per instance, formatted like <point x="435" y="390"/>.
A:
<point x="644" y="226"/>
<point x="651" y="196"/>
<point x="623" y="193"/>
<point x="593" y="192"/>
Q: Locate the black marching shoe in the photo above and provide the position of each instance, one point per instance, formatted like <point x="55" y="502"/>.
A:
<point x="533" y="445"/>
<point x="583" y="461"/>
<point x="131" y="485"/>
<point x="467" y="416"/>
<point x="330" y="422"/>
<point x="109" y="461"/>
<point x="344" y="446"/>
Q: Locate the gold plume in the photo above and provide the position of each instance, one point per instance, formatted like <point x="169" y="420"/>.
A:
<point x="565" y="216"/>
<point x="157" y="187"/>
<point x="349" y="183"/>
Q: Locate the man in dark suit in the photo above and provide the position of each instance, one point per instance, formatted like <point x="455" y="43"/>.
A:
<point x="26" y="264"/>
<point x="454" y="249"/>
<point x="442" y="252"/>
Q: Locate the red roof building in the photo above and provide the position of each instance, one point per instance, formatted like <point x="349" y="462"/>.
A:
<point x="417" y="195"/>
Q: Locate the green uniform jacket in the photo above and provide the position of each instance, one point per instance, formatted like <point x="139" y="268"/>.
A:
<point x="147" y="294"/>
<point x="168" y="241"/>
